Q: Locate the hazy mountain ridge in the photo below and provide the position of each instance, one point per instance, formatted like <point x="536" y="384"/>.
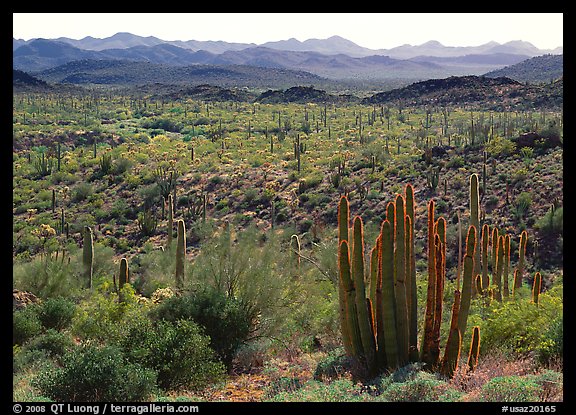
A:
<point x="41" y="54"/>
<point x="544" y="68"/>
<point x="329" y="46"/>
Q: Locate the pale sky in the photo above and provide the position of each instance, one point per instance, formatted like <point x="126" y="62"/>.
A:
<point x="370" y="30"/>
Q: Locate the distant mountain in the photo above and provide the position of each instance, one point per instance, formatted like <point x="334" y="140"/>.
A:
<point x="544" y="68"/>
<point x="489" y="93"/>
<point x="335" y="58"/>
<point x="22" y="80"/>
<point x="117" y="72"/>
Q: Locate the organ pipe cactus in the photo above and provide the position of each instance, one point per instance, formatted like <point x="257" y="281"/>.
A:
<point x="467" y="279"/>
<point x="474" y="349"/>
<point x="454" y="342"/>
<point x="536" y="288"/>
<point x="521" y="258"/>
<point x="475" y="216"/>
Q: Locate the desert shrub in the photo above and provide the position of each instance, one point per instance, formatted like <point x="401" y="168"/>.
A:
<point x="422" y="387"/>
<point x="552" y="223"/>
<point x="500" y="147"/>
<point x="25" y="325"/>
<point x="102" y="317"/>
<point x="56" y="313"/>
<point x="53" y="342"/>
<point x="223" y="318"/>
<point x="82" y="191"/>
<point x="551" y="347"/>
<point x="178" y="351"/>
<point x="510" y="389"/>
<point x="94" y="374"/>
<point x="332" y="366"/>
<point x="341" y="390"/>
<point x="247" y="266"/>
<point x="46" y="276"/>
<point x="517" y="328"/>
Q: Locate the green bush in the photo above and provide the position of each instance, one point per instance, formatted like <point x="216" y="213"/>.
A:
<point x="551" y="347"/>
<point x="332" y="366"/>
<point x="25" y="325"/>
<point x="223" y="319"/>
<point x="53" y="342"/>
<point x="510" y="389"/>
<point x="519" y="327"/>
<point x="96" y="374"/>
<point x="56" y="313"/>
<point x="423" y="387"/>
<point x="341" y="390"/>
<point x="177" y="351"/>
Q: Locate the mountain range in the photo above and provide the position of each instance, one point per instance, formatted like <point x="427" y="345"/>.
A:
<point x="334" y="58"/>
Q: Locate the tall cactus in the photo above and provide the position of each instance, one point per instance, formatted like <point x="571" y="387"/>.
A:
<point x="474" y="349"/>
<point x="536" y="288"/>
<point x="454" y="342"/>
<point x="475" y="217"/>
<point x="521" y="258"/>
<point x="366" y="333"/>
<point x="400" y="282"/>
<point x="345" y="283"/>
<point x="431" y="292"/>
<point x="88" y="256"/>
<point x="123" y="276"/>
<point x="180" y="254"/>
<point x="485" y="240"/>
<point x="388" y="314"/>
<point x="411" y="288"/>
<point x="506" y="266"/>
<point x="467" y="279"/>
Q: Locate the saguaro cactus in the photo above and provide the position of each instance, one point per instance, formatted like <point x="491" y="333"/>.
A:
<point x="88" y="256"/>
<point x="123" y="276"/>
<point x="180" y="254"/>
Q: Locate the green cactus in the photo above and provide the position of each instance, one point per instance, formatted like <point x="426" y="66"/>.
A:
<point x="506" y="266"/>
<point x="467" y="279"/>
<point x="88" y="256"/>
<point x="454" y="342"/>
<point x="536" y="287"/>
<point x="366" y="334"/>
<point x="123" y="275"/>
<point x="474" y="349"/>
<point x="475" y="216"/>
<point x="521" y="258"/>
<point x="485" y="240"/>
<point x="180" y="254"/>
<point x="348" y="317"/>
<point x="426" y="356"/>
<point x="497" y="277"/>
<point x="400" y="283"/>
<point x="387" y="342"/>
<point x="411" y="289"/>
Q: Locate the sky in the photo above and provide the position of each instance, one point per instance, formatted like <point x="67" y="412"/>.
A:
<point x="370" y="30"/>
